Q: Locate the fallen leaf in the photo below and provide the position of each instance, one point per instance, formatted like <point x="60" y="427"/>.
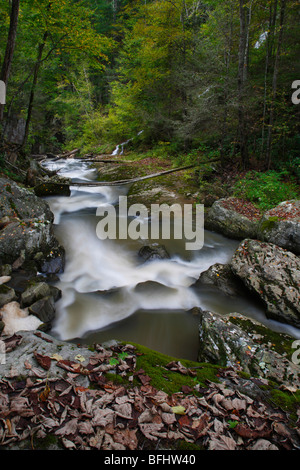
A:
<point x="127" y="438"/>
<point x="69" y="428"/>
<point x="57" y="357"/>
<point x="43" y="396"/>
<point x="44" y="361"/>
<point x="222" y="443"/>
<point x="178" y="410"/>
<point x="79" y="358"/>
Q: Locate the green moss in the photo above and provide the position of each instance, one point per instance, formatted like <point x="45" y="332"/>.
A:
<point x="49" y="442"/>
<point x="278" y="342"/>
<point x="154" y="365"/>
<point x="269" y="223"/>
<point x="287" y="401"/>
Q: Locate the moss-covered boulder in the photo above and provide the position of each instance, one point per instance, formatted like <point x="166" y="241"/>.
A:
<point x="281" y="225"/>
<point x="236" y="341"/>
<point x="272" y="274"/>
<point x="233" y="218"/>
<point x="28" y="228"/>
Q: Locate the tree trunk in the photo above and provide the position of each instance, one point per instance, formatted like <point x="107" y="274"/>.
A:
<point x="269" y="48"/>
<point x="274" y="84"/>
<point x="242" y="74"/>
<point x="33" y="87"/>
<point x="10" y="46"/>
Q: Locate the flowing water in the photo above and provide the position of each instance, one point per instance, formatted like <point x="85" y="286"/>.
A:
<point x="109" y="292"/>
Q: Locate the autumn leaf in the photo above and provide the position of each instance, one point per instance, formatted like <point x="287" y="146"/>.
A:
<point x="178" y="410"/>
<point x="222" y="443"/>
<point x="44" y="361"/>
<point x="43" y="396"/>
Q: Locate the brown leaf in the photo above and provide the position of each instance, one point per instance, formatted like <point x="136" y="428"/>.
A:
<point x="127" y="438"/>
<point x="244" y="431"/>
<point x="222" y="443"/>
<point x="12" y="342"/>
<point x="152" y="431"/>
<point x="124" y="410"/>
<point x="69" y="428"/>
<point x="145" y="379"/>
<point x="43" y="396"/>
<point x="184" y="421"/>
<point x="44" y="361"/>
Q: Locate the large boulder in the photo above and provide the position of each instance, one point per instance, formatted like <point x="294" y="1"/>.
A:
<point x="237" y="341"/>
<point x="281" y="226"/>
<point x="233" y="218"/>
<point x="27" y="227"/>
<point x="273" y="274"/>
<point x="19" y="202"/>
<point x="222" y="277"/>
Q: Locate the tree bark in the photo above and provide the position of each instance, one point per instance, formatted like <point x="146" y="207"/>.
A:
<point x="10" y="46"/>
<point x="33" y="87"/>
<point x="242" y="74"/>
<point x="274" y="84"/>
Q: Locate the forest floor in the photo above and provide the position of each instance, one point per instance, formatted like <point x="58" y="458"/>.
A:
<point x="127" y="397"/>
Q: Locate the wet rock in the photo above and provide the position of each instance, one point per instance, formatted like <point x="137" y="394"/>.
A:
<point x="153" y="252"/>
<point x="52" y="188"/>
<point x="281" y="226"/>
<point x="20" y="202"/>
<point x="221" y="276"/>
<point x="44" y="309"/>
<point x="272" y="274"/>
<point x="236" y="341"/>
<point x="29" y="228"/>
<point x="34" y="293"/>
<point x="53" y="263"/>
<point x="223" y="218"/>
<point x="7" y="294"/>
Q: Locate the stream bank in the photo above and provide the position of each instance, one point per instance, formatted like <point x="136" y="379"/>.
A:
<point x="215" y="435"/>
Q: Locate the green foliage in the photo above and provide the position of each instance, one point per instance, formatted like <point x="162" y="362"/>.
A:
<point x="266" y="189"/>
<point x="154" y="365"/>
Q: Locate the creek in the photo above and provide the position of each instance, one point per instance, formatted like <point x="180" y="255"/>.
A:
<point x="109" y="292"/>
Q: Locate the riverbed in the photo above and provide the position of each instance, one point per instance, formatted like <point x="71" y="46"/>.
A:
<point x="109" y="292"/>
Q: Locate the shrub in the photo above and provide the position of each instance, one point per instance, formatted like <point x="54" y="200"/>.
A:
<point x="265" y="190"/>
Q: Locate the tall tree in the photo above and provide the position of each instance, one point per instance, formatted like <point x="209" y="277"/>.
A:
<point x="10" y="46"/>
<point x="242" y="78"/>
<point x="274" y="82"/>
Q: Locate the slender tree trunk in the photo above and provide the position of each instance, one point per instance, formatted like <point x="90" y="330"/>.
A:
<point x="274" y="84"/>
<point x="270" y="46"/>
<point x="33" y="87"/>
<point x="242" y="74"/>
<point x="227" y="60"/>
<point x="10" y="47"/>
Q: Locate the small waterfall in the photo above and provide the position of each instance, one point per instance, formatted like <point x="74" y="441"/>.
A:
<point x="109" y="292"/>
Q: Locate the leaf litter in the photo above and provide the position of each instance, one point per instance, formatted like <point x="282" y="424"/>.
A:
<point x="84" y="409"/>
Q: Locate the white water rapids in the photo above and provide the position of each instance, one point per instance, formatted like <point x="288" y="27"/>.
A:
<point x="109" y="292"/>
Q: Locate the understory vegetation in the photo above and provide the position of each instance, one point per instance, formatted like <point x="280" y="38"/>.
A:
<point x="181" y="80"/>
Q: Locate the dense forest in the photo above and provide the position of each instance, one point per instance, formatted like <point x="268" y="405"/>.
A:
<point x="180" y="77"/>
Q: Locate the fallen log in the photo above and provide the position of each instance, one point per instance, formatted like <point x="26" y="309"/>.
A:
<point x="122" y="182"/>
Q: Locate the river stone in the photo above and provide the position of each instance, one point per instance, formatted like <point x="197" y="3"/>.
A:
<point x="44" y="309"/>
<point x="226" y="341"/>
<point x="34" y="293"/>
<point x="20" y="202"/>
<point x="273" y="274"/>
<point x="29" y="229"/>
<point x="7" y="294"/>
<point x="229" y="222"/>
<point x="153" y="252"/>
<point x="221" y="276"/>
<point x="281" y="226"/>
